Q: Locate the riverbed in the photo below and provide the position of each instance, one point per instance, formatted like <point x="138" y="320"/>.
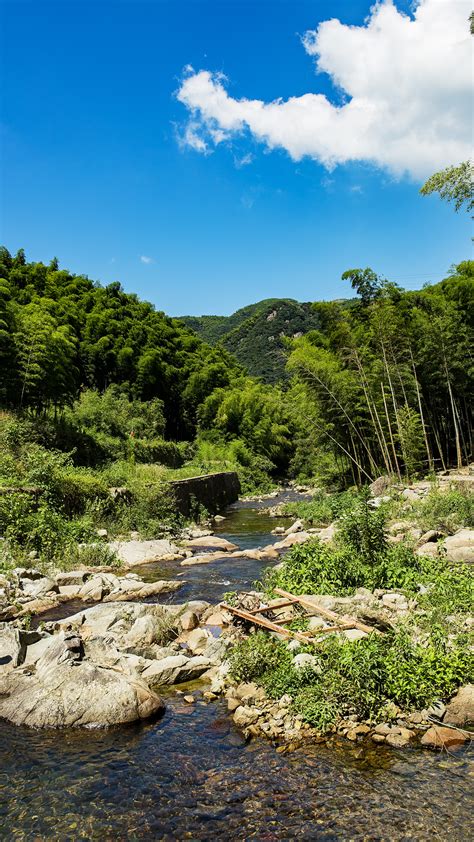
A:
<point x="192" y="776"/>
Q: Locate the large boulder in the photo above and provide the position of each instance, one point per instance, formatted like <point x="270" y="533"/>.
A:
<point x="442" y="738"/>
<point x="64" y="688"/>
<point x="460" y="710"/>
<point x="133" y="553"/>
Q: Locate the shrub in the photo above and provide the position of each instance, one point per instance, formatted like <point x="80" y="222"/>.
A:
<point x="318" y="568"/>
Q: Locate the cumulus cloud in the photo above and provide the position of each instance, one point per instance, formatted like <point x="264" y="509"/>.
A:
<point x="145" y="259"/>
<point x="403" y="103"/>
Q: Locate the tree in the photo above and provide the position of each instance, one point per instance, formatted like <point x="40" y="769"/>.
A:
<point x="366" y="283"/>
<point x="454" y="184"/>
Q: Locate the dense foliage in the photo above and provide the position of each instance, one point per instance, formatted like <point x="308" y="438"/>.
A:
<point x="388" y="382"/>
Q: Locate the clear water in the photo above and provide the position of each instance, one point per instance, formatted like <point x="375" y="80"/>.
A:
<point x="192" y="776"/>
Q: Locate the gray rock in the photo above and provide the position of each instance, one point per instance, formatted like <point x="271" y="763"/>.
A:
<point x="65" y="690"/>
<point x="38" y="587"/>
<point x="175" y="670"/>
<point x="72" y="577"/>
<point x="133" y="553"/>
<point x="306" y="661"/>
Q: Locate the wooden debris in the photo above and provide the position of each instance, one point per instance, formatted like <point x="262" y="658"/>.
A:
<point x="327" y="614"/>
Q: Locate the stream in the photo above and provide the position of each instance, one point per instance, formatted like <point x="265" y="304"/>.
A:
<point x="191" y="775"/>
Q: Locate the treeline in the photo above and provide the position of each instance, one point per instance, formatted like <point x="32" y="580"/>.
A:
<point x="62" y="333"/>
<point x="383" y="385"/>
<point x="389" y="382"/>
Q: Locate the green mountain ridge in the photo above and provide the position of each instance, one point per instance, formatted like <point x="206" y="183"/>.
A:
<point x="258" y="334"/>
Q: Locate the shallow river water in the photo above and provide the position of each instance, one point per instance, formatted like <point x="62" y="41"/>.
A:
<point x="191" y="776"/>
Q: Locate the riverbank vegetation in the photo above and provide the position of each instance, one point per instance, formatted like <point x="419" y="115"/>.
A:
<point x="423" y="655"/>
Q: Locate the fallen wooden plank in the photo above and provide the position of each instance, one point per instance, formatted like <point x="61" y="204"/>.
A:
<point x="326" y="613"/>
<point x="262" y="621"/>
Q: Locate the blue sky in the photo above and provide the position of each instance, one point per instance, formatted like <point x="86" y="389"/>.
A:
<point x="95" y="170"/>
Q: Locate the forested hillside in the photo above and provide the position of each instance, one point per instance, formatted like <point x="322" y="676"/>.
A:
<point x="382" y="384"/>
<point x="258" y="335"/>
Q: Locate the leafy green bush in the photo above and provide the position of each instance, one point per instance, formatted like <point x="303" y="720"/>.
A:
<point x="356" y="677"/>
<point x="444" y="510"/>
<point x="318" y="568"/>
<point x="362" y="529"/>
<point x="323" y="508"/>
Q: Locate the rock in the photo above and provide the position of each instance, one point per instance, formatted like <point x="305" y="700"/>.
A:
<point x="437" y="709"/>
<point x="72" y="577"/>
<point x="197" y="640"/>
<point x="378" y="738"/>
<point x="133" y="553"/>
<point x="142" y="590"/>
<point x="217" y="618"/>
<point x="297" y="526"/>
<point x="460" y="546"/>
<point x="315" y="623"/>
<point x="101" y="533"/>
<point x="65" y="690"/>
<point x="245" y="716"/>
<point x="327" y="535"/>
<point x="190" y="700"/>
<point x="212" y="541"/>
<point x="279" y="530"/>
<point x="396" y="740"/>
<point x="13" y="645"/>
<point x="304" y="660"/>
<point x="218" y="518"/>
<point x="175" y="670"/>
<point x="232" y="704"/>
<point x="189" y="621"/>
<point x="395" y="601"/>
<point x="460" y="710"/>
<point x="381" y="485"/>
<point x="385" y="728"/>
<point x="27" y="573"/>
<point x="354" y="634"/>
<point x="290" y="541"/>
<point x="430" y="549"/>
<point x="443" y="738"/>
<point x="38" y="587"/>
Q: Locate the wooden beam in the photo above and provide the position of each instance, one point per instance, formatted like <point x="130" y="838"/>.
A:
<point x="324" y="612"/>
<point x="262" y="621"/>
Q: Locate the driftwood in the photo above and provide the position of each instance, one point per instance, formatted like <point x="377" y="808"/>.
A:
<point x="256" y="617"/>
<point x="327" y="614"/>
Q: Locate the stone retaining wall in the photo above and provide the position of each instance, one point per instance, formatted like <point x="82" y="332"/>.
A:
<point x="213" y="491"/>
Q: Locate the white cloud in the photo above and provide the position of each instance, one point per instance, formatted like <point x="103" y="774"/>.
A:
<point x="145" y="259"/>
<point x="405" y="85"/>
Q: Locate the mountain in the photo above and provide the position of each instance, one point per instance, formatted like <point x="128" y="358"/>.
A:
<point x="257" y="334"/>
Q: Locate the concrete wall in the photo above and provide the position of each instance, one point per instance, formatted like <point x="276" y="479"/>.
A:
<point x="214" y="491"/>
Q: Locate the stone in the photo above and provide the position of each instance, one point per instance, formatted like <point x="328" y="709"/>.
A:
<point x="175" y="670"/>
<point x="315" y="623"/>
<point x="290" y="541"/>
<point x="190" y="700"/>
<point x="197" y="640"/>
<point x="218" y="518"/>
<point x="101" y="533"/>
<point x="327" y="535"/>
<point x="63" y="689"/>
<point x="437" y="709"/>
<point x="212" y="541"/>
<point x="378" y="738"/>
<point x="72" y="577"/>
<point x="385" y="728"/>
<point x="460" y="710"/>
<point x="189" y="621"/>
<point x="232" y="704"/>
<point x="395" y="601"/>
<point x="430" y="549"/>
<point x="133" y="553"/>
<point x="396" y="740"/>
<point x="439" y="737"/>
<point x="304" y="660"/>
<point x="297" y="526"/>
<point x="354" y="634"/>
<point x="381" y="485"/>
<point x="460" y="546"/>
<point x="245" y="716"/>
<point x="39" y="587"/>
